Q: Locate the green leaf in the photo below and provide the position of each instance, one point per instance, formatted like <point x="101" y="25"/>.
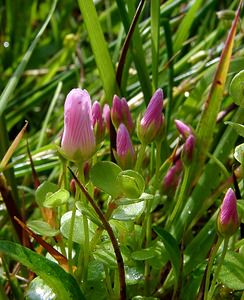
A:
<point x="184" y="28"/>
<point x="103" y="175"/>
<point x="128" y="212"/>
<point x="125" y="201"/>
<point x="99" y="47"/>
<point x="238" y="127"/>
<point x="131" y="183"/>
<point x="240" y="207"/>
<point x="43" y="189"/>
<point x="232" y="271"/>
<point x="207" y="121"/>
<point x="145" y="254"/>
<point x="62" y="283"/>
<point x="56" y="199"/>
<point x="78" y="232"/>
<point x="105" y="255"/>
<point x="89" y="212"/>
<point x="144" y="298"/>
<point x="172" y="249"/>
<point x="13" y="81"/>
<point x="39" y="290"/>
<point x="239" y="153"/>
<point x="237" y="89"/>
<point x="42" y="228"/>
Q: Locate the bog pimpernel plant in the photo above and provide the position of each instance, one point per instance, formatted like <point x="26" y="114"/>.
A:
<point x="126" y="180"/>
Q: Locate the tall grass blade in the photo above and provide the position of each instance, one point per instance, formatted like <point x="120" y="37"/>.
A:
<point x="155" y="26"/>
<point x="211" y="107"/>
<point x="99" y="47"/>
<point x="184" y="28"/>
<point x="13" y="81"/>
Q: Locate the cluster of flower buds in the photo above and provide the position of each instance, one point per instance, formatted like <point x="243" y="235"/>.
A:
<point x="227" y="221"/>
<point x="120" y="114"/>
<point x="190" y="141"/>
<point x="84" y="126"/>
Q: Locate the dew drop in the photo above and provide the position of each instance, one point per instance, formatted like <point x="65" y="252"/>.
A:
<point x="5" y="44"/>
<point x="189" y="212"/>
<point x="209" y="232"/>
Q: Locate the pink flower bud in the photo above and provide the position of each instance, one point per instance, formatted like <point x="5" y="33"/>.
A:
<point x="125" y="154"/>
<point x="183" y="129"/>
<point x="227" y="221"/>
<point x="78" y="141"/>
<point x="172" y="178"/>
<point x="150" y="126"/>
<point x="72" y="186"/>
<point x="98" y="122"/>
<point x="120" y="113"/>
<point x="106" y="116"/>
<point x="188" y="149"/>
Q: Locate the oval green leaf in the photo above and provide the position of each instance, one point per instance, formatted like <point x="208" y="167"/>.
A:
<point x="126" y="201"/>
<point x="62" y="283"/>
<point x="103" y="175"/>
<point x="238" y="127"/>
<point x="43" y="189"/>
<point x="89" y="212"/>
<point x="39" y="290"/>
<point x="239" y="153"/>
<point x="131" y="183"/>
<point x="56" y="199"/>
<point x="78" y="231"/>
<point x="144" y="254"/>
<point x="42" y="228"/>
<point x="237" y="88"/>
<point x="128" y="212"/>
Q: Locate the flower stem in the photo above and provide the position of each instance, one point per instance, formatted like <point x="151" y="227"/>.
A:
<point x="181" y="197"/>
<point x="71" y="231"/>
<point x="210" y="266"/>
<point x="108" y="228"/>
<point x="158" y="162"/>
<point x="140" y="157"/>
<point x="83" y="258"/>
<point x="148" y="224"/>
<point x="216" y="273"/>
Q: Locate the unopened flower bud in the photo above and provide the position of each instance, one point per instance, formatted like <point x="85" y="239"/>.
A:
<point x="120" y="113"/>
<point x="78" y="141"/>
<point x="151" y="124"/>
<point x="227" y="221"/>
<point x="106" y="116"/>
<point x="98" y="122"/>
<point x="172" y="178"/>
<point x="188" y="149"/>
<point x="125" y="154"/>
<point x="183" y="129"/>
<point x="72" y="186"/>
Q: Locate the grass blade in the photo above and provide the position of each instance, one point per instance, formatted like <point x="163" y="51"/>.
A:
<point x="127" y="43"/>
<point x="208" y="119"/>
<point x="99" y="47"/>
<point x="136" y="50"/>
<point x="184" y="28"/>
<point x="10" y="87"/>
<point x="155" y="25"/>
<point x="62" y="283"/>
